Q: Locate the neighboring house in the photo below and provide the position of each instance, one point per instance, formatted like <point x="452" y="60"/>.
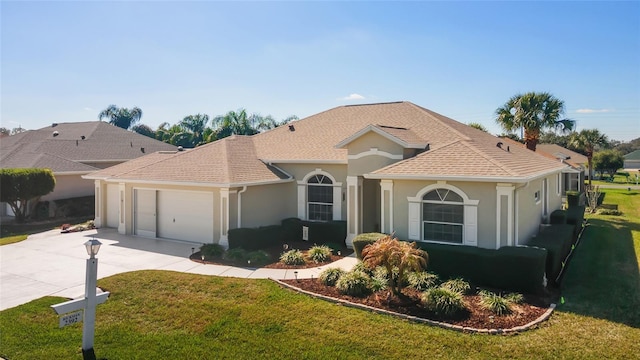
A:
<point x="391" y="167"/>
<point x="71" y="150"/>
<point x="632" y="160"/>
<point x="573" y="177"/>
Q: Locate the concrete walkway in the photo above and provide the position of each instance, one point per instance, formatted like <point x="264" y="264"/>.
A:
<point x="52" y="263"/>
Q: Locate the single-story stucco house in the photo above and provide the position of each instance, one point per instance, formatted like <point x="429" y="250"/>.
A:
<point x="632" y="160"/>
<point x="71" y="150"/>
<point x="574" y="175"/>
<point x="388" y="167"/>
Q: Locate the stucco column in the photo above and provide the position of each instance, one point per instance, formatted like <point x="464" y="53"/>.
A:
<point x="507" y="191"/>
<point x="224" y="217"/>
<point x="386" y="206"/>
<point x="122" y="212"/>
<point x="353" y="202"/>
<point x="97" y="220"/>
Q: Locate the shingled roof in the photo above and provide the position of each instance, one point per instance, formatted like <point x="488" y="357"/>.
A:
<point x="71" y="147"/>
<point x="455" y="150"/>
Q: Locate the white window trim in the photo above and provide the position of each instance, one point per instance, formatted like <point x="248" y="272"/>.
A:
<point x="303" y="205"/>
<point x="470" y="217"/>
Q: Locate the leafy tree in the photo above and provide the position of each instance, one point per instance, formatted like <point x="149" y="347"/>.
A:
<point x="478" y="126"/>
<point x="234" y="123"/>
<point x="145" y="130"/>
<point x="532" y="112"/>
<point x="18" y="130"/>
<point x="394" y="254"/>
<point x="121" y="117"/>
<point x="608" y="161"/>
<point x="552" y="137"/>
<point x="4" y="132"/>
<point x="587" y="141"/>
<point x="626" y="147"/>
<point x="19" y="187"/>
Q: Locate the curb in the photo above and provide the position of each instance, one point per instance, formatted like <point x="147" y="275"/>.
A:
<point x="459" y="328"/>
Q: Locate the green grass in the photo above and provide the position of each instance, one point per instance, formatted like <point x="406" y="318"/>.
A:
<point x="168" y="315"/>
<point x="617" y="179"/>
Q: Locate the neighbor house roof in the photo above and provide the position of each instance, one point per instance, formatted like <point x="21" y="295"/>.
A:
<point x="452" y="150"/>
<point x="75" y="147"/>
<point x="570" y="157"/>
<point x="635" y="155"/>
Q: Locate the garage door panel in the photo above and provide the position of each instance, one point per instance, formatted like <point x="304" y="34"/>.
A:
<point x="113" y="204"/>
<point x="145" y="212"/>
<point x="185" y="215"/>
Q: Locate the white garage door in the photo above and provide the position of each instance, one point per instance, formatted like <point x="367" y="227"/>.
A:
<point x="113" y="203"/>
<point x="185" y="215"/>
<point x="144" y="213"/>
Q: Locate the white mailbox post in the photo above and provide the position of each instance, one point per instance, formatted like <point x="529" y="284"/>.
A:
<point x="72" y="310"/>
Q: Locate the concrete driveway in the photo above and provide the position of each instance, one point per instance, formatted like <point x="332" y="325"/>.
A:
<point x="52" y="263"/>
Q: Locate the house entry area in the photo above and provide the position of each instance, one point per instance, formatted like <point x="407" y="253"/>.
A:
<point x="173" y="214"/>
<point x="370" y="205"/>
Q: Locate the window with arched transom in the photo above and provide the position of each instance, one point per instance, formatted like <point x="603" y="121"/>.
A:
<point x="443" y="216"/>
<point x="320" y="198"/>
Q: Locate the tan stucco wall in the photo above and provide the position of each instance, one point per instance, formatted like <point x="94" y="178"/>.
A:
<point x="299" y="171"/>
<point x="529" y="212"/>
<point x="268" y="204"/>
<point x="485" y="193"/>
<point x="373" y="140"/>
<point x="70" y="186"/>
<point x="367" y="164"/>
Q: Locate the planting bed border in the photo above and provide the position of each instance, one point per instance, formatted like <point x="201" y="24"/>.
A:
<point x="459" y="328"/>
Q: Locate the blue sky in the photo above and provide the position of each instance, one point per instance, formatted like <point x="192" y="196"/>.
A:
<point x="66" y="61"/>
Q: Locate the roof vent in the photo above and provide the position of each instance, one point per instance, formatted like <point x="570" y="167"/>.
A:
<point x="76" y="142"/>
<point x="55" y="133"/>
<point x="82" y="137"/>
<point x="54" y="124"/>
<point x="499" y="144"/>
<point x="508" y="150"/>
<point x="292" y="128"/>
<point x="131" y="143"/>
<point x="142" y="149"/>
<point x="180" y="148"/>
<point x="426" y="148"/>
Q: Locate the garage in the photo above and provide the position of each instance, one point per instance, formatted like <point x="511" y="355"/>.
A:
<point x="144" y="214"/>
<point x="185" y="215"/>
<point x="113" y="203"/>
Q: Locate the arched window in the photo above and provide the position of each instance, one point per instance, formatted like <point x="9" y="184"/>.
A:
<point x="443" y="216"/>
<point x="320" y="198"/>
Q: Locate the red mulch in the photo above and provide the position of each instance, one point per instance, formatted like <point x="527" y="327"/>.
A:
<point x="477" y="317"/>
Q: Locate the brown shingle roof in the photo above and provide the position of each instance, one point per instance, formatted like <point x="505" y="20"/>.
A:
<point x="455" y="150"/>
<point x="102" y="142"/>
<point x="228" y="161"/>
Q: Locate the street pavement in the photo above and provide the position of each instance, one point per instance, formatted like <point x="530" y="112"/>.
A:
<point x="52" y="263"/>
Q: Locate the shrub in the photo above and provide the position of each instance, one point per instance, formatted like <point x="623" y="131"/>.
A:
<point x="515" y="298"/>
<point x="326" y="232"/>
<point x="291" y="229"/>
<point x="609" y="212"/>
<point x="378" y="284"/>
<point x="458" y="285"/>
<point x="443" y="301"/>
<point x="255" y="238"/>
<point x="422" y="280"/>
<point x="319" y="253"/>
<point x="292" y="257"/>
<point x="258" y="257"/>
<point x="391" y="253"/>
<point x="363" y="268"/>
<point x="557" y="240"/>
<point x="573" y="199"/>
<point x="330" y="276"/>
<point x="495" y="303"/>
<point x="558" y="217"/>
<point x="354" y="283"/>
<point x="237" y="254"/>
<point x="362" y="240"/>
<point x="211" y="251"/>
<point x="521" y="268"/>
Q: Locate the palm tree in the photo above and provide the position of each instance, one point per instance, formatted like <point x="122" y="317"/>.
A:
<point x="196" y="125"/>
<point x="394" y="254"/>
<point x="587" y="141"/>
<point x="233" y="122"/>
<point x="533" y="112"/>
<point x="121" y="117"/>
<point x="143" y="129"/>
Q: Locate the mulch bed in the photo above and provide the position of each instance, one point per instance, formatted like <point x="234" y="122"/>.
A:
<point x="477" y="316"/>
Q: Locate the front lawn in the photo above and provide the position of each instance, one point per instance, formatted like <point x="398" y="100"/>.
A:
<point x="164" y="315"/>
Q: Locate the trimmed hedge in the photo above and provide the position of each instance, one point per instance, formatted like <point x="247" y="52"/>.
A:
<point x="255" y="238"/>
<point x="573" y="199"/>
<point x="320" y="233"/>
<point x="558" y="217"/>
<point x="557" y="240"/>
<point x="575" y="216"/>
<point x="519" y="269"/>
<point x="362" y="240"/>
